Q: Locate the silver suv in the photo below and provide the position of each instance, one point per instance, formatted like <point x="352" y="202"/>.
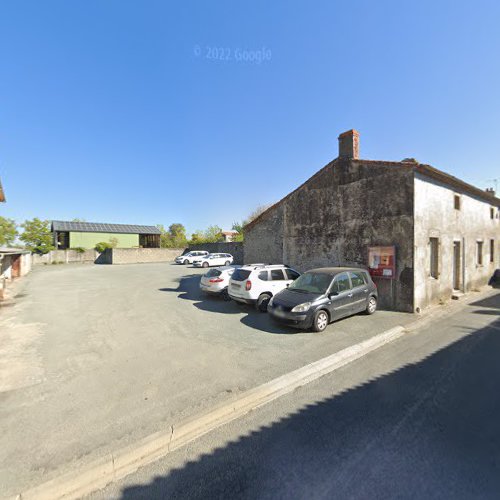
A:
<point x="257" y="283"/>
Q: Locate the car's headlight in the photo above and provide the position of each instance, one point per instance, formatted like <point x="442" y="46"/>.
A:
<point x="301" y="308"/>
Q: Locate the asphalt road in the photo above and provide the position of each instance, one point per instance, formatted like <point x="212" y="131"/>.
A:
<point x="419" y="418"/>
<point x="94" y="358"/>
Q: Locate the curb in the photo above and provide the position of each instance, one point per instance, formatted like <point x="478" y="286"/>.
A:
<point x="125" y="461"/>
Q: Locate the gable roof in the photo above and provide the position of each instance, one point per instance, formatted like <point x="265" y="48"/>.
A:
<point x="99" y="227"/>
<point x="427" y="170"/>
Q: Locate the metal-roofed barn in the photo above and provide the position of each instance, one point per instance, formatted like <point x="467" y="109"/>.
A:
<point x="69" y="234"/>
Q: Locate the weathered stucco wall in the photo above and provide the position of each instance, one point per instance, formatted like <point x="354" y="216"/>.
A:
<point x="334" y="217"/>
<point x="264" y="241"/>
<point x="436" y="217"/>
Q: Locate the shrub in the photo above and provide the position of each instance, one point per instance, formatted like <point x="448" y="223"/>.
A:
<point x="79" y="249"/>
<point x="100" y="247"/>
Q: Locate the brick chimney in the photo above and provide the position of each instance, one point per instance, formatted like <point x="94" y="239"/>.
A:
<point x="349" y="144"/>
<point x="490" y="191"/>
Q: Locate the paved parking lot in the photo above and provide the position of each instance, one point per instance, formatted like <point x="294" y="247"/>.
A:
<point x="93" y="358"/>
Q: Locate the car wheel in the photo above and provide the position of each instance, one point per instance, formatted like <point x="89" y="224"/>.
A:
<point x="262" y="302"/>
<point x="225" y="294"/>
<point x="227" y="263"/>
<point x="371" y="307"/>
<point x="186" y="262"/>
<point x="320" y="320"/>
<point x="205" y="264"/>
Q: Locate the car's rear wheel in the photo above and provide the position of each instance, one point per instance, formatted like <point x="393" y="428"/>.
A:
<point x="205" y="264"/>
<point x="186" y="262"/>
<point x="225" y="294"/>
<point x="262" y="302"/>
<point x="227" y="263"/>
<point x="371" y="307"/>
<point x="320" y="320"/>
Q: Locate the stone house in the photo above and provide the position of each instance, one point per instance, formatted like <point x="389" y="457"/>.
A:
<point x="424" y="234"/>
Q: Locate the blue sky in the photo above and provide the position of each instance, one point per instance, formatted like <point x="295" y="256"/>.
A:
<point x="126" y="112"/>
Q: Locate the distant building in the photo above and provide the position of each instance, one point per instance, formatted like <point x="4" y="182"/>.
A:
<point x="88" y="234"/>
<point x="423" y="234"/>
<point x="229" y="235"/>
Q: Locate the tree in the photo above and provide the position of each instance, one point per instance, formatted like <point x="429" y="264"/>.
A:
<point x="102" y="246"/>
<point x="174" y="237"/>
<point x="196" y="238"/>
<point x="37" y="236"/>
<point x="178" y="235"/>
<point x="8" y="231"/>
<point x="240" y="226"/>
<point x="213" y="234"/>
<point x="258" y="211"/>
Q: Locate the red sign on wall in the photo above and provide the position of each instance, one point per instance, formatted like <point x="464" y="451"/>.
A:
<point x="382" y="261"/>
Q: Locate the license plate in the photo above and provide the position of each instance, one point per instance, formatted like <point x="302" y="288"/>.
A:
<point x="280" y="313"/>
<point x="234" y="285"/>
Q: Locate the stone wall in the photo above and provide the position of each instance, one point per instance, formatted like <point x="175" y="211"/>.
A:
<point x="139" y="255"/>
<point x="235" y="248"/>
<point x="264" y="241"/>
<point x="109" y="256"/>
<point x="334" y="217"/>
<point x="66" y="257"/>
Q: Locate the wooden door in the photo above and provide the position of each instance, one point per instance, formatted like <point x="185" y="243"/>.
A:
<point x="16" y="266"/>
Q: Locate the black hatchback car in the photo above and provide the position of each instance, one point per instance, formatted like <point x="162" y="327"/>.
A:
<point x="321" y="296"/>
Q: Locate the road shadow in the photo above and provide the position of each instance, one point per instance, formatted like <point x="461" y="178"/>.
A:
<point x="427" y="430"/>
<point x="492" y="302"/>
<point x="263" y="322"/>
<point x="189" y="289"/>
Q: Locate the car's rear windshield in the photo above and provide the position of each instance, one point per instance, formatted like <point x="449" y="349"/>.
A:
<point x="240" y="275"/>
<point x="213" y="273"/>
